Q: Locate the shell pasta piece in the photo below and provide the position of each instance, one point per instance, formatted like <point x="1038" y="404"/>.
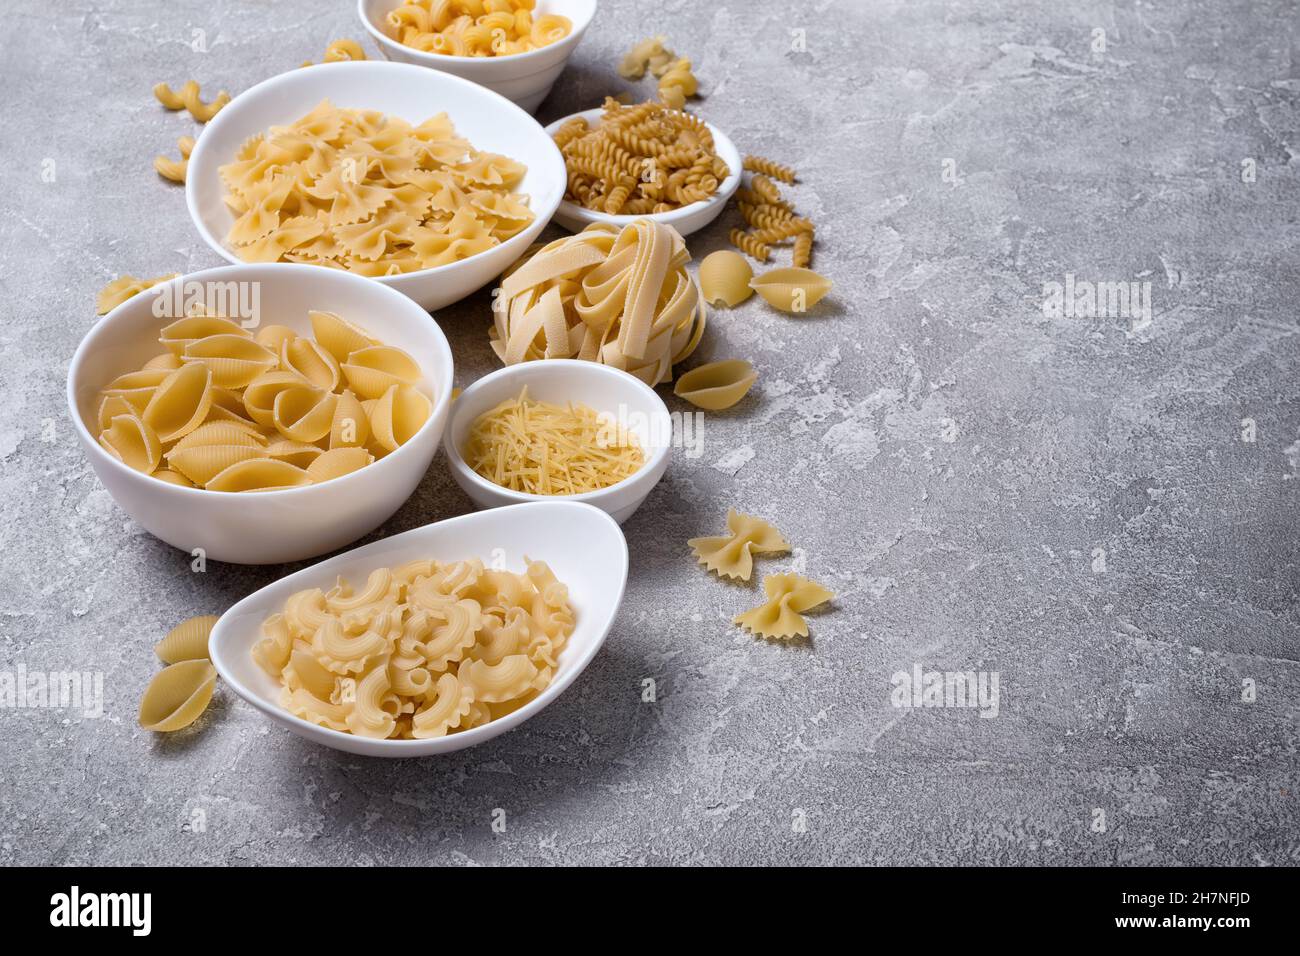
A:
<point x="258" y="474"/>
<point x="724" y="277"/>
<point x="731" y="555"/>
<point x="398" y="415"/>
<point x="187" y="641"/>
<point x="177" y="695"/>
<point x="418" y="651"/>
<point x="780" y="617"/>
<point x="717" y="385"/>
<point x="792" y="289"/>
<point x="128" y="439"/>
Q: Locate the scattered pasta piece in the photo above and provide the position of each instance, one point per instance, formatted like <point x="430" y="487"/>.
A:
<point x="717" y="385"/>
<point x="676" y="81"/>
<point x="724" y="277"/>
<point x="223" y="410"/>
<point x="766" y="167"/>
<point x="780" y="617"/>
<point x="545" y="449"/>
<point x="639" y="159"/>
<point x="731" y="555"/>
<point x="801" y="257"/>
<point x="187" y="641"/>
<point x="342" y="51"/>
<point x="177" y="695"/>
<point x="123" y="288"/>
<point x="421" y="650"/>
<point x="371" y="194"/>
<point x="475" y="28"/>
<point x="617" y="296"/>
<point x="188" y="98"/>
<point x="791" y="290"/>
<point x="175" y="169"/>
<point x="748" y="244"/>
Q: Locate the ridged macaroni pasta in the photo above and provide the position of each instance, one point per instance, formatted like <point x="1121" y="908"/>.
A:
<point x="475" y="27"/>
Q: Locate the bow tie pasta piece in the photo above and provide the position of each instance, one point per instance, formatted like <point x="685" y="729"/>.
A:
<point x="730" y="556"/>
<point x="724" y="277"/>
<point x="123" y="288"/>
<point x="177" y="695"/>
<point x="791" y="290"/>
<point x="619" y="297"/>
<point x="780" y="617"/>
<point x="717" y="385"/>
<point x="409" y="655"/>
<point x="187" y="641"/>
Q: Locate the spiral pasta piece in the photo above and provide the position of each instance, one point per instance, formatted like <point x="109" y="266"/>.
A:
<point x="768" y="167"/>
<point x="747" y="244"/>
<point x="188" y="98"/>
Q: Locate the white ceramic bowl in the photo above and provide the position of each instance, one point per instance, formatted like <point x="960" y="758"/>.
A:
<point x="559" y="381"/>
<point x="273" y="526"/>
<point x="490" y="122"/>
<point x="584" y="548"/>
<point x="523" y="78"/>
<point x="685" y="220"/>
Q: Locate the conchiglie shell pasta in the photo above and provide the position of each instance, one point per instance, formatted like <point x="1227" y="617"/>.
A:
<point x="274" y="337"/>
<point x="187" y="641"/>
<point x="177" y="695"/>
<point x="132" y="442"/>
<point x="372" y="371"/>
<point x="221" y="433"/>
<point x="259" y="397"/>
<point x="337" y="335"/>
<point x="337" y="462"/>
<point x="113" y="405"/>
<point x="167" y="360"/>
<point x="303" y="413"/>
<point x="308" y="358"/>
<point x="172" y="478"/>
<point x="296" y="453"/>
<point x="234" y="360"/>
<point x="180" y="403"/>
<point x="725" y="277"/>
<point x="351" y="424"/>
<point x="183" y="332"/>
<point x="717" y="385"/>
<point x="790" y="289"/>
<point x="201" y="463"/>
<point x="258" y="474"/>
<point x="398" y="415"/>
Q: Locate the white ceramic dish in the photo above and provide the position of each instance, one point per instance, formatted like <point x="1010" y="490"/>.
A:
<point x="274" y="526"/>
<point x="604" y="389"/>
<point x="523" y="78"/>
<point x="490" y="122"/>
<point x="584" y="548"/>
<point x="686" y="220"/>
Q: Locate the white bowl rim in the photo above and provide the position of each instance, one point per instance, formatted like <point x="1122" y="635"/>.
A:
<point x="219" y="246"/>
<point x="432" y="59"/>
<point x="464" y="738"/>
<point x="219" y="272"/>
<point x="575" y="367"/>
<point x="726" y="189"/>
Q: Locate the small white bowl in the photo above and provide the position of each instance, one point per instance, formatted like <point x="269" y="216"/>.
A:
<point x="687" y="219"/>
<point x="559" y="381"/>
<point x="267" y="527"/>
<point x="490" y="122"/>
<point x="584" y="548"/>
<point x="523" y="78"/>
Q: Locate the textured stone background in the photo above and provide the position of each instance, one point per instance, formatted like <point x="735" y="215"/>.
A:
<point x="1120" y="690"/>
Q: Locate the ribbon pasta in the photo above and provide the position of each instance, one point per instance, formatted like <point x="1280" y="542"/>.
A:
<point x="421" y="650"/>
<point x="619" y="297"/>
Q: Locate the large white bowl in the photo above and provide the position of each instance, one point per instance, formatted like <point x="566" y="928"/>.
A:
<point x="523" y="78"/>
<point x="584" y="548"/>
<point x="490" y="122"/>
<point x="273" y="526"/>
<point x="560" y="381"/>
<point x="687" y="219"/>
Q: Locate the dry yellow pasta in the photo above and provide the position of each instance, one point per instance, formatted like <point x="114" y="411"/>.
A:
<point x="676" y="81"/>
<point x="188" y="98"/>
<point x="475" y="27"/>
<point x="371" y="194"/>
<point x="175" y="169"/>
<point x="187" y="641"/>
<point x="766" y="167"/>
<point x="780" y="617"/>
<point x="224" y="411"/>
<point x="724" y="277"/>
<point x="791" y="290"/>
<point x="639" y="159"/>
<point x="717" y="385"/>
<point x="123" y="288"/>
<point x="546" y="449"/>
<point x="418" y="651"/>
<point x="177" y="695"/>
<point x="731" y="555"/>
<point x="342" y="51"/>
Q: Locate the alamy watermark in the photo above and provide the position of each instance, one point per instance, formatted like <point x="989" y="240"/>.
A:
<point x="1078" y="298"/>
<point x="978" y="690"/>
<point x="21" y="689"/>
<point x="239" y="301"/>
<point x="684" y="430"/>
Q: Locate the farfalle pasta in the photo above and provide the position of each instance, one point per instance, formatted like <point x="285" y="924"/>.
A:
<point x="475" y="27"/>
<point x="123" y="288"/>
<point x="421" y="650"/>
<point x="621" y="297"/>
<point x="230" y="410"/>
<point x="780" y="617"/>
<point x="731" y="555"/>
<point x="371" y="194"/>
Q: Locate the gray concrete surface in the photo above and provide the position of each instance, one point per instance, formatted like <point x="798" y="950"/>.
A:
<point x="950" y="458"/>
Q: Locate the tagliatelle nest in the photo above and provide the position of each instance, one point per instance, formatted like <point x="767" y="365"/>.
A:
<point x="619" y="297"/>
